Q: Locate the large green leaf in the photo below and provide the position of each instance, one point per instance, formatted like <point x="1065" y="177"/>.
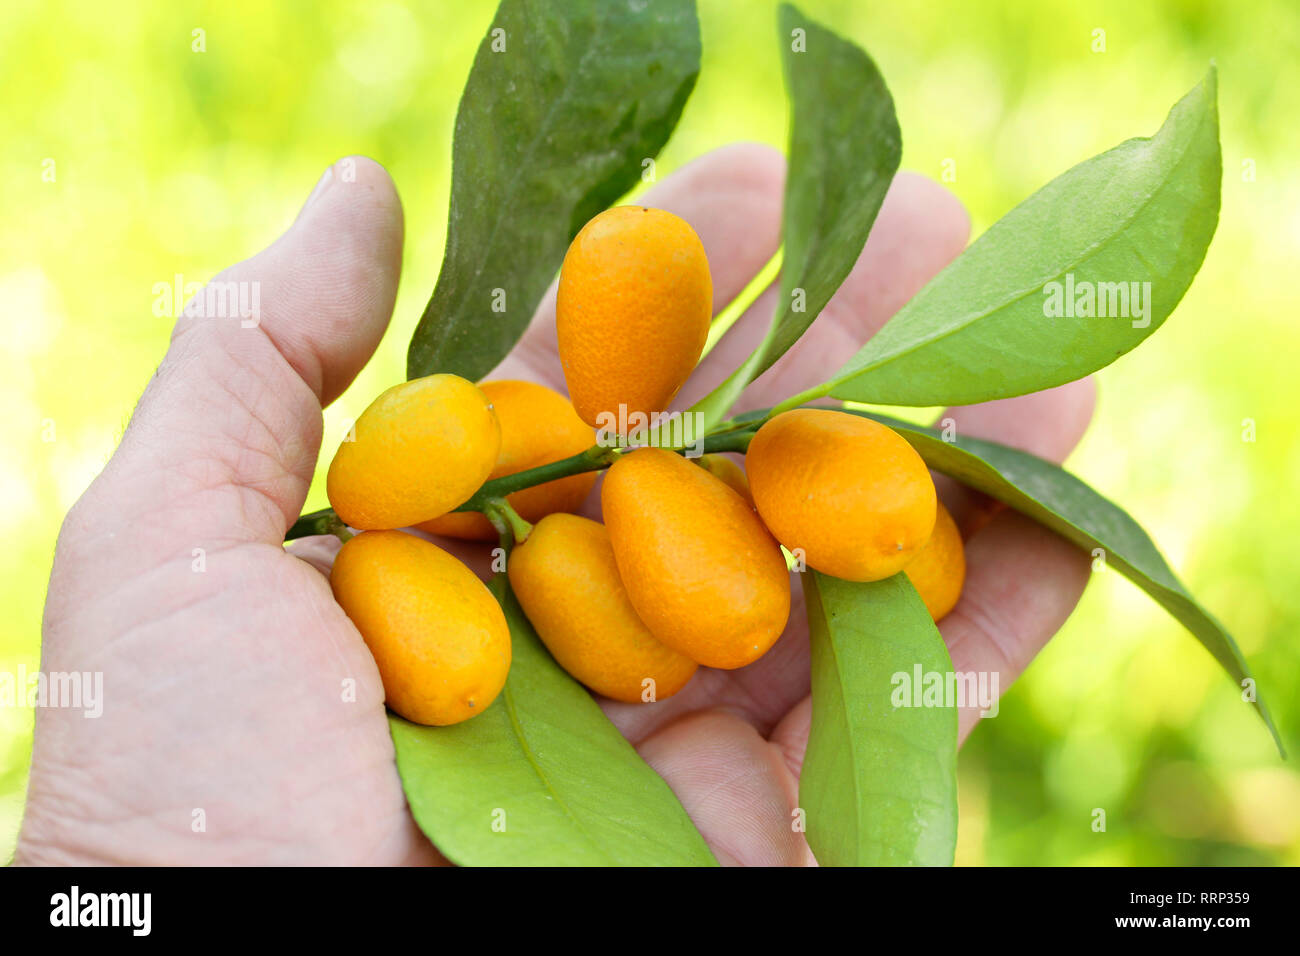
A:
<point x="541" y="778"/>
<point x="551" y="130"/>
<point x="843" y="153"/>
<point x="879" y="782"/>
<point x="1143" y="212"/>
<point x="1058" y="500"/>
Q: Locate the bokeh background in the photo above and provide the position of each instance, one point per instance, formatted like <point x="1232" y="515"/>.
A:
<point x="168" y="161"/>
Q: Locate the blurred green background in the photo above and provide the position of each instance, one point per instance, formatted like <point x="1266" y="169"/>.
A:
<point x="170" y="161"/>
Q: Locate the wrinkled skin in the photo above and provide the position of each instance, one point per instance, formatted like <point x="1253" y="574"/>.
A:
<point x="224" y="689"/>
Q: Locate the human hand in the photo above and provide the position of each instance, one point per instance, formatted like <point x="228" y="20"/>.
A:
<point x="225" y="689"/>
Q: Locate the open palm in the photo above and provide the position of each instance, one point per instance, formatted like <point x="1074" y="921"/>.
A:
<point x="243" y="716"/>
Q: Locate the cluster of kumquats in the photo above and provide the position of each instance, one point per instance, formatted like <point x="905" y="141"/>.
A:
<point x="686" y="569"/>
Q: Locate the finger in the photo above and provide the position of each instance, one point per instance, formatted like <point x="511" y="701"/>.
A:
<point x="1048" y="424"/>
<point x="732" y="199"/>
<point x="223" y="443"/>
<point x="760" y="693"/>
<point x="790" y="736"/>
<point x="921" y="227"/>
<point x="318" y="550"/>
<point x="330" y="282"/>
<point x="734" y="786"/>
<point x="1022" y="582"/>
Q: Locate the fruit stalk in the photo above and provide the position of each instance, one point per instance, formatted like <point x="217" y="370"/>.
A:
<point x="595" y="458"/>
<point x="803" y="398"/>
<point x="735" y="438"/>
<point x="507" y="521"/>
<point x="324" y="521"/>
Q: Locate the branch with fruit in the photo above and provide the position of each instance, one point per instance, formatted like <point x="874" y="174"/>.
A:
<point x="690" y="568"/>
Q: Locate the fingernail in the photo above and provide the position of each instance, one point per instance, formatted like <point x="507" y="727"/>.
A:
<point x="321" y="186"/>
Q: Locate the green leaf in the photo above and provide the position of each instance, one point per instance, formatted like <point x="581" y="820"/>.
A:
<point x="1058" y="500"/>
<point x="543" y="764"/>
<point x="1143" y="212"/>
<point x="550" y="131"/>
<point x="844" y="150"/>
<point x="879" y="782"/>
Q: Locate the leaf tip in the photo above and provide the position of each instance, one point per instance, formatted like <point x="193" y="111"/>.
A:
<point x="1211" y="82"/>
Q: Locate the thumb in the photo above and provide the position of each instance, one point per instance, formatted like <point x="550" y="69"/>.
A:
<point x="222" y="445"/>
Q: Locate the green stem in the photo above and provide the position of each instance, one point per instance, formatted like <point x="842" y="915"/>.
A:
<point x="595" y="458"/>
<point x="507" y="521"/>
<point x="324" y="521"/>
<point x="737" y="440"/>
<point x="730" y="425"/>
<point x="803" y="398"/>
<point x="734" y="436"/>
